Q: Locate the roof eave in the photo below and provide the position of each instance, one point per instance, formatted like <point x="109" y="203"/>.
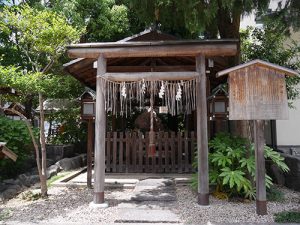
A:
<point x="285" y="70"/>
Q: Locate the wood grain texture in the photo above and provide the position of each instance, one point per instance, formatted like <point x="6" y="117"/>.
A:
<point x="150" y="76"/>
<point x="257" y="93"/>
<point x="173" y="153"/>
<point x="202" y="139"/>
<point x="155" y="49"/>
<point x="100" y="128"/>
<point x="89" y="152"/>
<point x="259" y="141"/>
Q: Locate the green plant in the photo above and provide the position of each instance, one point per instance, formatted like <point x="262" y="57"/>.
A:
<point x="17" y="138"/>
<point x="275" y="195"/>
<point x="287" y="217"/>
<point x="232" y="166"/>
<point x="57" y="177"/>
<point x="31" y="195"/>
<point x="71" y="130"/>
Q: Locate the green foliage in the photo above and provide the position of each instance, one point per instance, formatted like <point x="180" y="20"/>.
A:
<point x="190" y="19"/>
<point x="287" y="217"/>
<point x="16" y="134"/>
<point x="71" y="130"/>
<point x="57" y="177"/>
<point x="31" y="196"/>
<point x="40" y="35"/>
<point x="52" y="86"/>
<point x="105" y="20"/>
<point x="275" y="195"/>
<point x="232" y="165"/>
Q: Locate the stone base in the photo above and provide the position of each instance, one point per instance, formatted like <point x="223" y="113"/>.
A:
<point x="97" y="206"/>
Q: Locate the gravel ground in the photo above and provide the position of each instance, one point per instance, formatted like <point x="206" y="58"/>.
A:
<point x="64" y="205"/>
<point x="71" y="205"/>
<point x="222" y="211"/>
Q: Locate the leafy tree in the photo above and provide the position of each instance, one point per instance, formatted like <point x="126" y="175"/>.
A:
<point x="288" y="13"/>
<point x="105" y="20"/>
<point x="212" y="18"/>
<point x="41" y="36"/>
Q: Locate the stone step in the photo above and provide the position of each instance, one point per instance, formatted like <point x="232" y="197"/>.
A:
<point x="131" y="215"/>
<point x="154" y="190"/>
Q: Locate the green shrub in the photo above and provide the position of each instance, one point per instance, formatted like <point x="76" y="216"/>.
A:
<point x="287" y="217"/>
<point x="72" y="129"/>
<point x="275" y="195"/>
<point x="232" y="166"/>
<point x="16" y="135"/>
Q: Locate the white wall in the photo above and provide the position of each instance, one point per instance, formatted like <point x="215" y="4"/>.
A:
<point x="288" y="131"/>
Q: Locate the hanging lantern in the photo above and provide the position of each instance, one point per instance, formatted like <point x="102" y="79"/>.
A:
<point x="218" y="103"/>
<point x="88" y="107"/>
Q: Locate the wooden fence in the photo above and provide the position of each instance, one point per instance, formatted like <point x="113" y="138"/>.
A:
<point x="127" y="152"/>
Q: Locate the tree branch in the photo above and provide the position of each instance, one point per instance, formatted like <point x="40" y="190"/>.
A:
<point x="32" y="138"/>
<point x="48" y="66"/>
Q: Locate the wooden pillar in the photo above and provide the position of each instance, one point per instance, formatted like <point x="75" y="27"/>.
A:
<point x="100" y="131"/>
<point x="202" y="145"/>
<point x="89" y="152"/>
<point x="261" y="200"/>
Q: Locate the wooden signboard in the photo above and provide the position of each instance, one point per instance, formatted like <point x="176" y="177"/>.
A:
<point x="6" y="152"/>
<point x="257" y="91"/>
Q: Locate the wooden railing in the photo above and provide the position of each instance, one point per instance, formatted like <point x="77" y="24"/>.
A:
<point x="127" y="152"/>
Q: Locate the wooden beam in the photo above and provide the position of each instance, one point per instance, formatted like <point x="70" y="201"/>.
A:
<point x="100" y="128"/>
<point x="175" y="50"/>
<point x="202" y="142"/>
<point x="150" y="76"/>
<point x="261" y="63"/>
<point x="261" y="199"/>
<point x="164" y="68"/>
<point x="10" y="154"/>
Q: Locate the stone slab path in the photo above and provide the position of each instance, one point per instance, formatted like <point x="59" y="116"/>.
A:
<point x="150" y="203"/>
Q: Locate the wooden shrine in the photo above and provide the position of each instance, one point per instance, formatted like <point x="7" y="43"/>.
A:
<point x="257" y="92"/>
<point x="106" y="66"/>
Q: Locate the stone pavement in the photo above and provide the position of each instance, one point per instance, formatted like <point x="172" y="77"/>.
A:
<point x="150" y="203"/>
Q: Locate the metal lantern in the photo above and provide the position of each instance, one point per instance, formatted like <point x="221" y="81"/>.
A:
<point x="88" y="106"/>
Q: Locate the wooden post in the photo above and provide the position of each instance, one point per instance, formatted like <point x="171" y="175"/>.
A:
<point x="89" y="152"/>
<point x="100" y="130"/>
<point x="202" y="145"/>
<point x="261" y="200"/>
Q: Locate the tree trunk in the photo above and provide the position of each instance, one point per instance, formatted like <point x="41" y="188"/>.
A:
<point x="1" y="109"/>
<point x="28" y="108"/>
<point x="229" y="27"/>
<point x="43" y="148"/>
<point x="36" y="147"/>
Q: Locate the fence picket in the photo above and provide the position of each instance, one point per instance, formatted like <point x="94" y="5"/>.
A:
<point x="121" y="143"/>
<point x="108" y="151"/>
<point x="128" y="152"/>
<point x="179" y="143"/>
<point x="140" y="150"/>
